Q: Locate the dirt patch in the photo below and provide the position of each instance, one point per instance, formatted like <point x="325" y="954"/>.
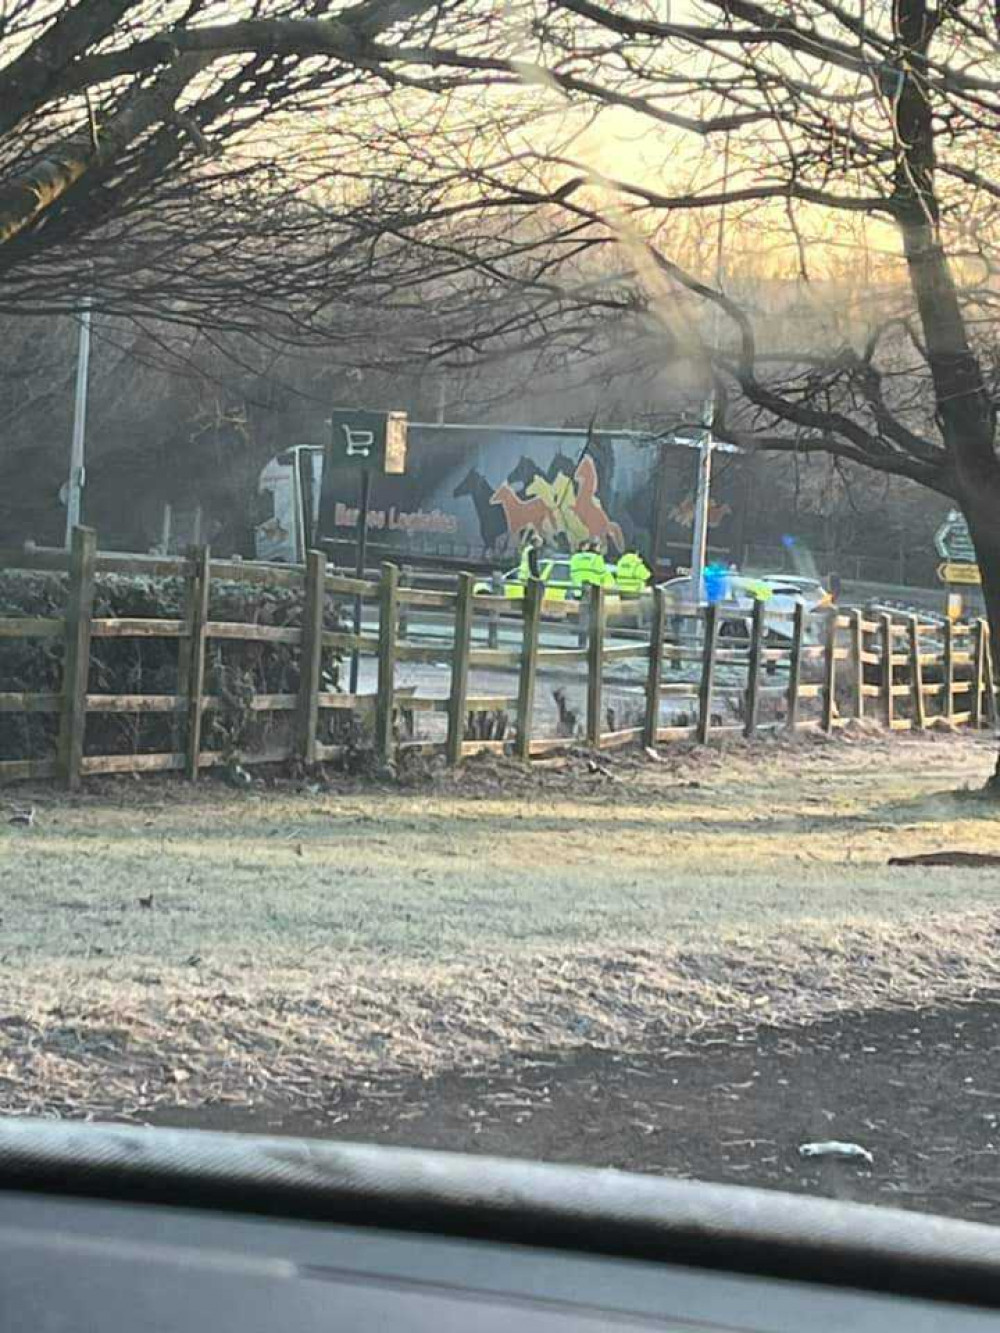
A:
<point x="124" y="1048"/>
<point x="917" y="1088"/>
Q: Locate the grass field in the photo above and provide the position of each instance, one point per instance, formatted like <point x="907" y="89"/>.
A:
<point x="163" y="944"/>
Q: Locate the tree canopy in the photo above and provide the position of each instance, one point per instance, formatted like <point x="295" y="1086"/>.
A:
<point x="822" y="129"/>
<point x="550" y="173"/>
<point x="178" y="158"/>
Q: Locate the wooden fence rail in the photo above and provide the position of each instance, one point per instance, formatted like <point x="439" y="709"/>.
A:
<point x="773" y="669"/>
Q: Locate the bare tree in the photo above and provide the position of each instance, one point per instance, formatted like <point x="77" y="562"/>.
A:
<point x="186" y="158"/>
<point x="862" y="126"/>
<point x="181" y="157"/>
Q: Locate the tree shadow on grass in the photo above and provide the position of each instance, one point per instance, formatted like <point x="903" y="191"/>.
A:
<point x="948" y="804"/>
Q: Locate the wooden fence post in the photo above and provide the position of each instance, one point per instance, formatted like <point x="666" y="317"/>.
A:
<point x="595" y="665"/>
<point x="979" y="673"/>
<point x="184" y="649"/>
<point x="675" y="653"/>
<point x="493" y="624"/>
<point x="795" y="666"/>
<point x="654" y="676"/>
<point x="460" y="668"/>
<point x="916" y="674"/>
<point x="857" y="661"/>
<point x="888" y="699"/>
<point x="311" y="654"/>
<point x="752" y="697"/>
<point x="948" y="691"/>
<point x="531" y="613"/>
<point x="991" y="688"/>
<point x="388" y="624"/>
<point x="196" y="669"/>
<point x="581" y="619"/>
<point x="707" y="672"/>
<point x="830" y="672"/>
<point x="404" y="580"/>
<point x="76" y="654"/>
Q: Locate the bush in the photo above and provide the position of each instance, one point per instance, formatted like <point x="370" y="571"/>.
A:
<point x="235" y="671"/>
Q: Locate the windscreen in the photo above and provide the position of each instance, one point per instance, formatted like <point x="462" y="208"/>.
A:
<point x="630" y="800"/>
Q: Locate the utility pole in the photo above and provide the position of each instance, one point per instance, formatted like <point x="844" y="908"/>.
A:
<point x="702" y="498"/>
<point x="77" y="467"/>
<point x="703" y="490"/>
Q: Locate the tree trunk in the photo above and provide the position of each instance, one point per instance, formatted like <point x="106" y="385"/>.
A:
<point x="982" y="513"/>
<point x="965" y="413"/>
<point x="965" y="408"/>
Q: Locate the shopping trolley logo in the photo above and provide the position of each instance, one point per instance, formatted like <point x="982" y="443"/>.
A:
<point x="367" y="441"/>
<point x="359" y="443"/>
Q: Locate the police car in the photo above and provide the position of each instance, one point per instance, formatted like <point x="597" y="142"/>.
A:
<point x="559" y="586"/>
<point x="555" y="576"/>
<point x="780" y="595"/>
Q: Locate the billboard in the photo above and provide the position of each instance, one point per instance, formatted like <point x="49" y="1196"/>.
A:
<point x="478" y="490"/>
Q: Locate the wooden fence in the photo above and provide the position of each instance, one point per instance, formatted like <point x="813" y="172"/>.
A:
<point x="792" y="671"/>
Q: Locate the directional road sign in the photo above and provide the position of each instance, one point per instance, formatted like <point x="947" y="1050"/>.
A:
<point x="959" y="573"/>
<point x="954" y="541"/>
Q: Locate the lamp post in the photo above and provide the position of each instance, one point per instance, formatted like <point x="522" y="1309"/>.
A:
<point x="703" y="489"/>
<point x="702" y="498"/>
<point x="77" y="466"/>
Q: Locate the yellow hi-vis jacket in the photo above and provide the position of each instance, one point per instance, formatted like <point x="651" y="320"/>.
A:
<point x="588" y="567"/>
<point x="632" y="573"/>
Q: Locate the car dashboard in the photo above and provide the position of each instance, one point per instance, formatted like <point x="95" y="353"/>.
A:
<point x="108" y="1228"/>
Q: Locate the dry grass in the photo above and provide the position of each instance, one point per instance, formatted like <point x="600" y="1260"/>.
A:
<point x="296" y="938"/>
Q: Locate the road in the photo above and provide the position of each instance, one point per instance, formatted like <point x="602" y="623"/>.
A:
<point x="624" y="692"/>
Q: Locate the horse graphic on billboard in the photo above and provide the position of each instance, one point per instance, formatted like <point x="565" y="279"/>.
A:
<point x="522" y="516"/>
<point x="492" y="523"/>
<point x="683" y="513"/>
<point x="588" y="507"/>
<point x="560" y="504"/>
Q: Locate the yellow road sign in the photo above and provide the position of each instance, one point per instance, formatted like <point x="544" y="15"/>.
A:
<point x="950" y="572"/>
